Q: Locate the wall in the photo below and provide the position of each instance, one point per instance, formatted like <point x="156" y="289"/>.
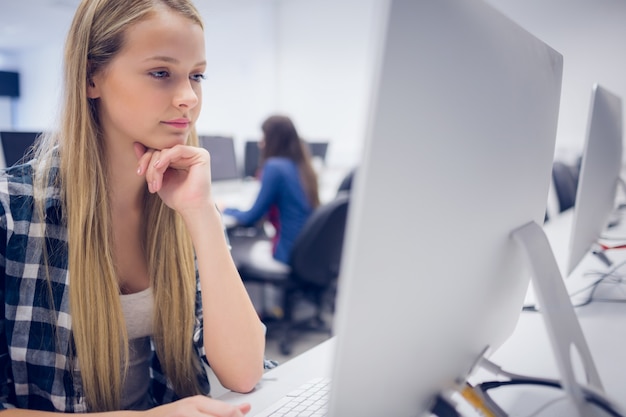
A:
<point x="590" y="34"/>
<point x="325" y="49"/>
<point x="312" y="60"/>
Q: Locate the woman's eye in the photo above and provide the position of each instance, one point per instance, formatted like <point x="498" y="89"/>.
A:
<point x="198" y="77"/>
<point x="159" y="74"/>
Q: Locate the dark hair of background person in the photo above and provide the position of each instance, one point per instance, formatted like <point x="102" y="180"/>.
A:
<point x="282" y="139"/>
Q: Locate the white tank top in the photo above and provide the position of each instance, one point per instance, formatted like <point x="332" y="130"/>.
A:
<point x="138" y="313"/>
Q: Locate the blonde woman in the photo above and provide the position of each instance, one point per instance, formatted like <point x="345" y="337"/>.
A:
<point x="117" y="283"/>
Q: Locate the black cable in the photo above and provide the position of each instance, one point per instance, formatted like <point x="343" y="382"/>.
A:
<point x="589" y="395"/>
<point x="604" y="276"/>
<point x="443" y="408"/>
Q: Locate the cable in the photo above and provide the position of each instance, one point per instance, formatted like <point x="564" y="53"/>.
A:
<point x="591" y="395"/>
<point x="604" y="276"/>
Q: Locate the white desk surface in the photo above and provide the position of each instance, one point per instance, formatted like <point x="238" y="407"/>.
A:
<point x="289" y="375"/>
<point x="242" y="193"/>
<point x="527" y="351"/>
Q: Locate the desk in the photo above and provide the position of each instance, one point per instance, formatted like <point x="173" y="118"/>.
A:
<point x="527" y="351"/>
<point x="242" y="193"/>
<point x="281" y="380"/>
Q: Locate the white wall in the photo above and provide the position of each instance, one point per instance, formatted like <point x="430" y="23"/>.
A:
<point x="590" y="34"/>
<point x="40" y="87"/>
<point x="324" y="69"/>
<point x="241" y="84"/>
<point x="311" y="59"/>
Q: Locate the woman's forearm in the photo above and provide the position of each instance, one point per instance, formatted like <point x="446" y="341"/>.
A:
<point x="234" y="337"/>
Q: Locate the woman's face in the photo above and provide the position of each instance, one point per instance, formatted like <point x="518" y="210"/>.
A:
<point x="150" y="92"/>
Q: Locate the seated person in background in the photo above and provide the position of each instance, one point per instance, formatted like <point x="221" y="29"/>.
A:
<point x="289" y="191"/>
<point x="287" y="197"/>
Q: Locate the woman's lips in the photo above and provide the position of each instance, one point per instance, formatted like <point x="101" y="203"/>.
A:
<point x="178" y="123"/>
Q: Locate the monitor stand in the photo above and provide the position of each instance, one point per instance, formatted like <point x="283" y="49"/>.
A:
<point x="563" y="327"/>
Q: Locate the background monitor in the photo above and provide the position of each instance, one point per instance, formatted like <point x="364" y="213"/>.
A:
<point x="223" y="158"/>
<point x="599" y="174"/>
<point x="318" y="150"/>
<point x="251" y="156"/>
<point x="469" y="101"/>
<point x="16" y="144"/>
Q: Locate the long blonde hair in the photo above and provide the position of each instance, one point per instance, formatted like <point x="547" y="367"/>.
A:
<point x="101" y="341"/>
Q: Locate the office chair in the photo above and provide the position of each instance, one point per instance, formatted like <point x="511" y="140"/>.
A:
<point x="311" y="273"/>
<point x="346" y="183"/>
<point x="565" y="178"/>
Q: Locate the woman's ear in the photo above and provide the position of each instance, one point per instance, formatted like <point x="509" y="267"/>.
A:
<point x="92" y="89"/>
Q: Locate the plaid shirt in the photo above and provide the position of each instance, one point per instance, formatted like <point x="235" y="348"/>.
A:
<point x="37" y="370"/>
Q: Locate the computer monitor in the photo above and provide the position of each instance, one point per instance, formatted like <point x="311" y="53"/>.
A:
<point x="599" y="174"/>
<point x="223" y="157"/>
<point x="252" y="155"/>
<point x="251" y="158"/>
<point x="431" y="277"/>
<point x="318" y="149"/>
<point x="16" y="144"/>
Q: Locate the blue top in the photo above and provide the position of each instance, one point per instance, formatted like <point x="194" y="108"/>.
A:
<point x="282" y="189"/>
<point x="36" y="371"/>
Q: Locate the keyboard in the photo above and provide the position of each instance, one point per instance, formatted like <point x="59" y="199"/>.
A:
<point x="308" y="400"/>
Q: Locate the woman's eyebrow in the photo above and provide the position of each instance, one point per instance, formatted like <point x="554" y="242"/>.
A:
<point x="171" y="60"/>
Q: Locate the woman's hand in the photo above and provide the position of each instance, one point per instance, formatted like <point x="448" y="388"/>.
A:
<point x="200" y="406"/>
<point x="181" y="175"/>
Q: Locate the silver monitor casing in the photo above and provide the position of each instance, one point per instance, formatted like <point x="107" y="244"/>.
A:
<point x="458" y="154"/>
<point x="599" y="174"/>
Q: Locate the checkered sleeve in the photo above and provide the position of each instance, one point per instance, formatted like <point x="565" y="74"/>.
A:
<point x="35" y="332"/>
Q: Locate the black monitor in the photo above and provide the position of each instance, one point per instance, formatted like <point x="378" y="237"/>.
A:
<point x="251" y="157"/>
<point x="15" y="145"/>
<point x="223" y="157"/>
<point x="318" y="150"/>
<point x="9" y="84"/>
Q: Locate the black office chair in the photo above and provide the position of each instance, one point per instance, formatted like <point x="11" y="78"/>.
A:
<point x="565" y="178"/>
<point x="346" y="183"/>
<point x="311" y="274"/>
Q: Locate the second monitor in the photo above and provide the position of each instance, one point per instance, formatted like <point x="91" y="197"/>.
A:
<point x="223" y="157"/>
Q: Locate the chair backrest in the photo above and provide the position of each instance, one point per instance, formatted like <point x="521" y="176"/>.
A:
<point x="346" y="182"/>
<point x="565" y="183"/>
<point x="316" y="253"/>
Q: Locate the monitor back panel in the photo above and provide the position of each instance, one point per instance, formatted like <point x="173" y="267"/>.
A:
<point x="459" y="150"/>
<point x="599" y="174"/>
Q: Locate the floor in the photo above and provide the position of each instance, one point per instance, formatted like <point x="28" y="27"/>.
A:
<point x="304" y="342"/>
